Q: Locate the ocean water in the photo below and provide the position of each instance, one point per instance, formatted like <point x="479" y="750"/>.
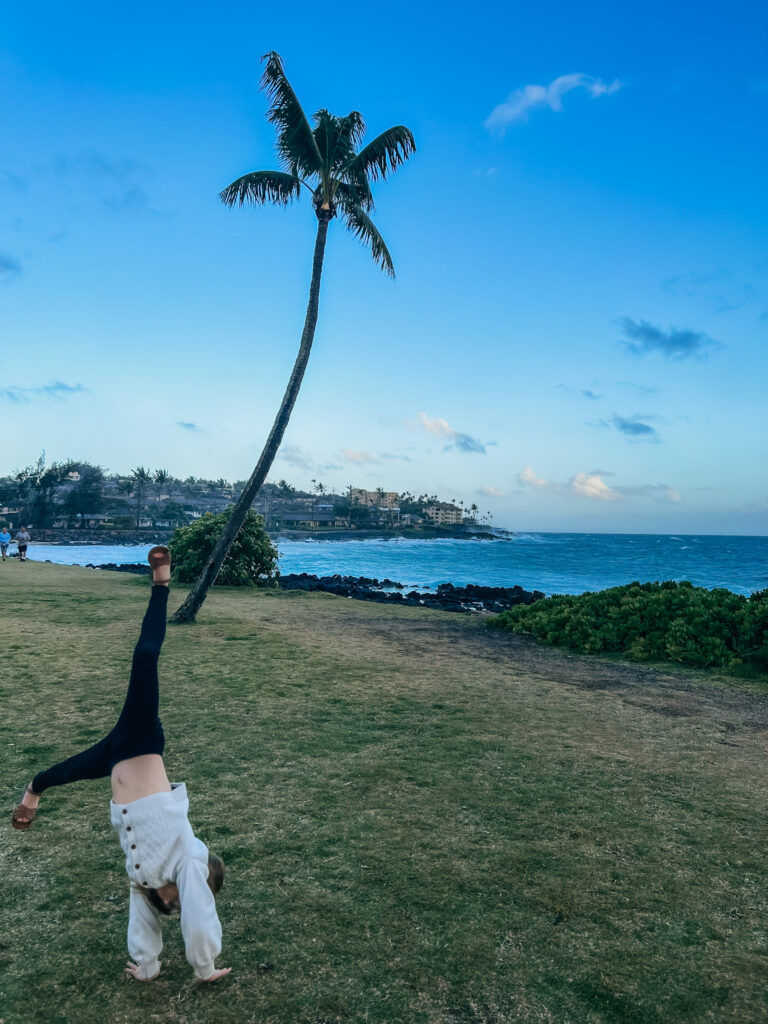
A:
<point x="557" y="563"/>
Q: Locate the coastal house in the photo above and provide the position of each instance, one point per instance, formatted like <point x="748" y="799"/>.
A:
<point x="410" y="519"/>
<point x="307" y="519"/>
<point x="90" y="520"/>
<point x="443" y="513"/>
<point x="82" y="521"/>
<point x="9" y="515"/>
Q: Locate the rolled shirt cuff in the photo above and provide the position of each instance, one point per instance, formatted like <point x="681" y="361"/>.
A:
<point x="204" y="971"/>
<point x="149" y="968"/>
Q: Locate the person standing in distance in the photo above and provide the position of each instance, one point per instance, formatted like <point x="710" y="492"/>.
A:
<point x="22" y="539"/>
<point x="5" y="540"/>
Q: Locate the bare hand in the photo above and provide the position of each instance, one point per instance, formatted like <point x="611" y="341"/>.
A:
<point x="132" y="970"/>
<point x="216" y="975"/>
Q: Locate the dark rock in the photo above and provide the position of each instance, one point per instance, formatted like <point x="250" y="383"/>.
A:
<point x="447" y="597"/>
<point x="140" y="568"/>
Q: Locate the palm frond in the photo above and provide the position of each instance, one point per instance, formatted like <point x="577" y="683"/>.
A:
<point x="384" y="154"/>
<point x="295" y="141"/>
<point x="325" y="132"/>
<point x="336" y="138"/>
<point x="361" y="225"/>
<point x="355" y="193"/>
<point x="355" y="127"/>
<point x="260" y="187"/>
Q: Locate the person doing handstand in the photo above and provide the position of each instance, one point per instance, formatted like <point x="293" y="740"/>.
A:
<point x="168" y="866"/>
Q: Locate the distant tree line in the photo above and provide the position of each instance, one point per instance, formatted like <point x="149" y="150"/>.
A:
<point x="73" y="490"/>
<point x="44" y="493"/>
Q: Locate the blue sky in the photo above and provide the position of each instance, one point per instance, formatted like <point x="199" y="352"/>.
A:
<point x="576" y="336"/>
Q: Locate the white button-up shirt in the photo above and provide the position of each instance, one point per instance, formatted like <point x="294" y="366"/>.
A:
<point x="160" y="847"/>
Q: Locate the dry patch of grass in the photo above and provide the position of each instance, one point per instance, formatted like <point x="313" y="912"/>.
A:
<point x="423" y="821"/>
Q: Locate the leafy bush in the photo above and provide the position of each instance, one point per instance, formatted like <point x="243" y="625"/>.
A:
<point x="654" y="622"/>
<point x="252" y="559"/>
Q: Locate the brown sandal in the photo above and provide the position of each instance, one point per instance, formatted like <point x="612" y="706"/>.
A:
<point x="158" y="557"/>
<point x="23" y="816"/>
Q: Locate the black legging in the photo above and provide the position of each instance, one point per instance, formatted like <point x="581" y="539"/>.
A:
<point x="138" y="730"/>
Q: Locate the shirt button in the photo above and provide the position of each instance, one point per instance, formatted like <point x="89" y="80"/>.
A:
<point x="127" y="828"/>
<point x="125" y="811"/>
<point x="133" y="846"/>
<point x="137" y="866"/>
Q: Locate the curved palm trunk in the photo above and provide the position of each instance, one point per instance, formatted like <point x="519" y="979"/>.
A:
<point x="189" y="609"/>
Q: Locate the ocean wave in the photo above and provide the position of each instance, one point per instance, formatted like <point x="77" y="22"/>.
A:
<point x="582" y="561"/>
<point x="376" y="542"/>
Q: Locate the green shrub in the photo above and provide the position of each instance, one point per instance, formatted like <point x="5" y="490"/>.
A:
<point x="667" y="621"/>
<point x="252" y="559"/>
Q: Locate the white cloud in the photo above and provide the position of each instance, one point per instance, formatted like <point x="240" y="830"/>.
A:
<point x="518" y="105"/>
<point x="433" y="425"/>
<point x="441" y="428"/>
<point x="357" y="458"/>
<point x="592" y="486"/>
<point x="582" y="485"/>
<point x="491" y="492"/>
<point x="529" y="477"/>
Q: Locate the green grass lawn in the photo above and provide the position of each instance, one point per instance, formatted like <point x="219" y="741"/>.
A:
<point x="423" y="820"/>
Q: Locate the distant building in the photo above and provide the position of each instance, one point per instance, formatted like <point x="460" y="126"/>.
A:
<point x="85" y="520"/>
<point x="10" y="515"/>
<point x="90" y="520"/>
<point x="386" y="499"/>
<point x="442" y="513"/>
<point x="308" y="519"/>
<point x="409" y="519"/>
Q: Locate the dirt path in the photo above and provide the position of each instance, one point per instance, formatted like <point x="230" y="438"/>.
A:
<point x="435" y="636"/>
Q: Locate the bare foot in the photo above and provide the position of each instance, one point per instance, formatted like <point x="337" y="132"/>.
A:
<point x="132" y="970"/>
<point x="216" y="976"/>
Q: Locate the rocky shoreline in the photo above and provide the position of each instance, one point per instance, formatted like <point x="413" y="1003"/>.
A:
<point x="447" y="597"/>
<point x="162" y="536"/>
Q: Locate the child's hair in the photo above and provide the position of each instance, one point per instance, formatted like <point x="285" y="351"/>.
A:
<point x="215" y="882"/>
<point x="215" y="872"/>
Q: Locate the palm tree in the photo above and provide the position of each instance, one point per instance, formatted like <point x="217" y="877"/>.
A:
<point x="325" y="159"/>
<point x="142" y="478"/>
<point x="162" y="479"/>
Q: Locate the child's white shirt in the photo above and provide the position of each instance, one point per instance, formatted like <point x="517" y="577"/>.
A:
<point x="160" y="847"/>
